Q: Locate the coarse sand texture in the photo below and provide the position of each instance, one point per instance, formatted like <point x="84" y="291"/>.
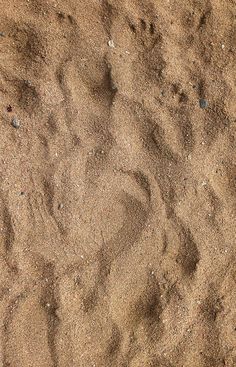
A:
<point x="117" y="183"/>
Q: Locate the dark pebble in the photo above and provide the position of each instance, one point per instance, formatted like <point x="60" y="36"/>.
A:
<point x="203" y="103"/>
<point x="15" y="123"/>
<point x="9" y="108"/>
<point x="28" y="83"/>
<point x="2" y="34"/>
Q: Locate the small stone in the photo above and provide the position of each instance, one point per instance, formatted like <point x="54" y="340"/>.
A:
<point x="113" y="86"/>
<point x="28" y="83"/>
<point x="2" y="34"/>
<point x="60" y="206"/>
<point x="15" y="123"/>
<point x="9" y="108"/>
<point x="111" y="43"/>
<point x="77" y="280"/>
<point x="203" y="103"/>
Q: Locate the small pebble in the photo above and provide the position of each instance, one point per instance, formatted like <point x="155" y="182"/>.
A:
<point x="203" y="103"/>
<point x="15" y="123"/>
<point x="111" y="43"/>
<point x="60" y="206"/>
<point x="9" y="108"/>
<point x="2" y="34"/>
<point x="77" y="280"/>
<point x="28" y="83"/>
<point x="113" y="86"/>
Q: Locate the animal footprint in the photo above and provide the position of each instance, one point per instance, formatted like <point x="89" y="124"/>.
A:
<point x="66" y="18"/>
<point x="145" y="32"/>
<point x="142" y="27"/>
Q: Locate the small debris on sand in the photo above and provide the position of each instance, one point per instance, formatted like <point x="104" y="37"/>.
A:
<point x="15" y="122"/>
<point x="203" y="103"/>
<point x="28" y="83"/>
<point x="111" y="43"/>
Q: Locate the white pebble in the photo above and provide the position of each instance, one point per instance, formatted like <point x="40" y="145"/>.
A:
<point x="15" y="123"/>
<point x="111" y="43"/>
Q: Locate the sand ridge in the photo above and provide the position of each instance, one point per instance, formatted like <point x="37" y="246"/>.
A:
<point x="117" y="183"/>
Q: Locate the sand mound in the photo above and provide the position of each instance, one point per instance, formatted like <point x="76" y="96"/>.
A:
<point x="118" y="169"/>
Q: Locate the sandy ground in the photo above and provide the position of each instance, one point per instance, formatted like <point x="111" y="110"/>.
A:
<point x="118" y="183"/>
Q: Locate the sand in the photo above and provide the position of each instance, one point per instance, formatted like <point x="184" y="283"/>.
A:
<point x="117" y="191"/>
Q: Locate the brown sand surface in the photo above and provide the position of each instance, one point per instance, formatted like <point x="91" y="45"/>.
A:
<point x="118" y="183"/>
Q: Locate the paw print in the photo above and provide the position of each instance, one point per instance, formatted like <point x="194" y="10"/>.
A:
<point x="144" y="32"/>
<point x="67" y="18"/>
<point x="178" y="91"/>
